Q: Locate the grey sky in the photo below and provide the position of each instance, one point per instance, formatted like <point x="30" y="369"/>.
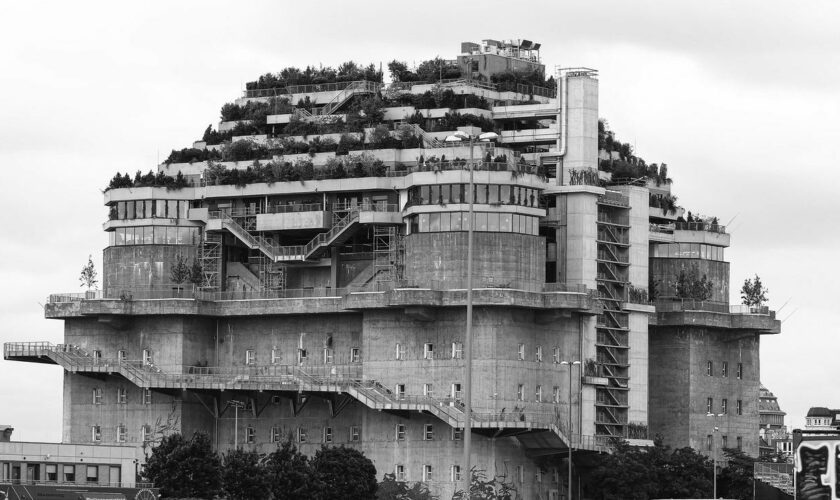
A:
<point x="740" y="99"/>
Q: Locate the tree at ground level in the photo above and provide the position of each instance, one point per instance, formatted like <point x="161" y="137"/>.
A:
<point x="342" y="473"/>
<point x="184" y="468"/>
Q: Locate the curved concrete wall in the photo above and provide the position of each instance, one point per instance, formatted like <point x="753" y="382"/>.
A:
<point x="499" y="259"/>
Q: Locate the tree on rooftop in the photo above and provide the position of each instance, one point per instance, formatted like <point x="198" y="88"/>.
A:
<point x="753" y="292"/>
<point x="690" y="285"/>
<point x="184" y="468"/>
<point x="88" y="277"/>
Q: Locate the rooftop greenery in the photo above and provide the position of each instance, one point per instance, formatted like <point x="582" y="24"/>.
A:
<point x="148" y="180"/>
<point x="346" y="72"/>
<point x="628" y="165"/>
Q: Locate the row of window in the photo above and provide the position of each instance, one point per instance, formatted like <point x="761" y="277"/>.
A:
<point x="428" y="474"/>
<point x="120" y="433"/>
<point x="441" y="194"/>
<point x="724" y="442"/>
<point x="122" y="396"/>
<point x="154" y="235"/>
<point x="688" y="251"/>
<point x="724" y="369"/>
<point x="148" y="209"/>
<point x="328" y="356"/>
<point x="493" y="222"/>
<point x="724" y="406"/>
<point x="12" y="471"/>
<point x="456" y="351"/>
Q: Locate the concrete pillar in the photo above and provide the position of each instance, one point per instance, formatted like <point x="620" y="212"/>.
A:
<point x="581" y="232"/>
<point x="581" y="125"/>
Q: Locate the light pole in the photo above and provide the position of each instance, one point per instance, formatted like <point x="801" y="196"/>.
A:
<point x="460" y="137"/>
<point x="570" y="364"/>
<point x="236" y="406"/>
<point x="714" y="453"/>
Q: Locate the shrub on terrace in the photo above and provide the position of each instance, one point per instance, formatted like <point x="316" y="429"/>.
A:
<point x="189" y="155"/>
<point x="347" y="71"/>
<point x="148" y="180"/>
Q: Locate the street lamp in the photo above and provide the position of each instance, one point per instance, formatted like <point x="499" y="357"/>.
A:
<point x="460" y="136"/>
<point x="714" y="453"/>
<point x="236" y="406"/>
<point x="570" y="364"/>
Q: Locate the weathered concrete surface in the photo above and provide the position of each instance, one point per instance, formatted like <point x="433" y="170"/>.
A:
<point x="765" y="324"/>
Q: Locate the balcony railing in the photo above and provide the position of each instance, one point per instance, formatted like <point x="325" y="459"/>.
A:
<point x="678" y="305"/>
<point x="299" y="89"/>
<point x="700" y="226"/>
<point x="615" y="199"/>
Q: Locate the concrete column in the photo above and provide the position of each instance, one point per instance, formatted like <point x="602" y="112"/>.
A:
<point x="581" y="232"/>
<point x="581" y="125"/>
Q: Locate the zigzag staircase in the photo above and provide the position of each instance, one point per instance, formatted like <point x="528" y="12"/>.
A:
<point x="291" y="378"/>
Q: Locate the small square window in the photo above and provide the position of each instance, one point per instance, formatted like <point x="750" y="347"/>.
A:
<point x="275" y="356"/>
<point x="328" y="355"/>
<point x="145" y="433"/>
<point x="69" y="473"/>
<point x="97" y="355"/>
<point x="355" y="434"/>
<point x="96" y="434"/>
<point x="275" y="434"/>
<point x="399" y="472"/>
<point x="539" y="353"/>
<point x="399" y="391"/>
<point x="427" y="390"/>
<point x="301" y="356"/>
<point x="399" y="351"/>
<point x="520" y="392"/>
<point x="738" y="407"/>
<point x="121" y="396"/>
<point x="724" y="441"/>
<point x="428" y="432"/>
<point x="556" y="354"/>
<point x="710" y="368"/>
<point x="250" y="435"/>
<point x="739" y="373"/>
<point x="301" y="435"/>
<point x="355" y="355"/>
<point x="724" y="369"/>
<point x="400" y="432"/>
<point x="455" y="473"/>
<point x="456" y="392"/>
<point x="250" y="357"/>
<point x="521" y="352"/>
<point x="457" y="433"/>
<point x="428" y="351"/>
<point x="147" y="396"/>
<point x="121" y="356"/>
<point x="538" y="394"/>
<point x="709" y="405"/>
<point x="328" y="435"/>
<point x="427" y="472"/>
<point x="97" y="396"/>
<point x="121" y="434"/>
<point x="52" y="472"/>
<point x="709" y="442"/>
<point x="556" y="394"/>
<point x="457" y="350"/>
<point x="723" y="406"/>
<point x="92" y="474"/>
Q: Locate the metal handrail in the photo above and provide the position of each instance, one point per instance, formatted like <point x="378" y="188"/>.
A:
<point x="700" y="226"/>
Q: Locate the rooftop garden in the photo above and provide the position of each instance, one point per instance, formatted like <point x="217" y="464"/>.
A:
<point x="346" y="72"/>
<point x="148" y="180"/>
<point x="628" y="165"/>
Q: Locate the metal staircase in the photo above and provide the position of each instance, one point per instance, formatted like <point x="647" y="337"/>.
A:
<point x="210" y="257"/>
<point x="345" y="94"/>
<point x="612" y="346"/>
<point x="341" y="379"/>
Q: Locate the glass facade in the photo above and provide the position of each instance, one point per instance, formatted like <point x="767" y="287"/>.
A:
<point x="149" y="209"/>
<point x="493" y="222"/>
<point x="154" y="235"/>
<point x="688" y="251"/>
<point x="503" y="194"/>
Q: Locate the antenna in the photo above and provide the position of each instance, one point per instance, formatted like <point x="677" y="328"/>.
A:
<point x="732" y="219"/>
<point x="783" y="306"/>
<point x="789" y="315"/>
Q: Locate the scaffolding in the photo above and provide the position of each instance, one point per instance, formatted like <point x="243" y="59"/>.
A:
<point x="388" y="256"/>
<point x="612" y="345"/>
<point x="272" y="275"/>
<point x="210" y="257"/>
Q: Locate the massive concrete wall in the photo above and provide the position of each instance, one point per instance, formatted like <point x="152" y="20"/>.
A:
<point x="680" y="386"/>
<point x="500" y="257"/>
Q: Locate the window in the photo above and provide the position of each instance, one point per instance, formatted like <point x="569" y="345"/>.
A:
<point x="250" y="434"/>
<point x="709" y="442"/>
<point x="301" y="435"/>
<point x="121" y="395"/>
<point x="399" y="472"/>
<point x="328" y="435"/>
<point x="428" y="351"/>
<point x="250" y="357"/>
<point x="456" y="391"/>
<point x="399" y="391"/>
<point x="275" y="356"/>
<point x="724" y="369"/>
<point x="428" y="432"/>
<point x="97" y="396"/>
<point x="521" y="352"/>
<point x="121" y="355"/>
<point x="145" y="433"/>
<point x="96" y="434"/>
<point x="539" y="353"/>
<point x="355" y="434"/>
<point x="556" y="393"/>
<point x="556" y="354"/>
<point x="275" y="434"/>
<point x="538" y="394"/>
<point x="738" y="408"/>
<point x="724" y="441"/>
<point x="328" y="355"/>
<point x="399" y="352"/>
<point x="52" y="472"/>
<point x="69" y="474"/>
<point x="710" y="368"/>
<point x="709" y="405"/>
<point x="738" y="442"/>
<point x="457" y="350"/>
<point x="457" y="433"/>
<point x="121" y="433"/>
<point x="355" y="355"/>
<point x="739" y="373"/>
<point x="147" y="357"/>
<point x="97" y="355"/>
<point x="520" y="473"/>
<point x="520" y="392"/>
<point x="427" y="472"/>
<point x="147" y="396"/>
<point x="723" y="406"/>
<point x="301" y="355"/>
<point x="92" y="475"/>
<point x="427" y="390"/>
<point x="455" y="473"/>
<point x="399" y="433"/>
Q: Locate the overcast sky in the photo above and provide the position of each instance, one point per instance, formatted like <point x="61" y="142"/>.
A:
<point x="740" y="99"/>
